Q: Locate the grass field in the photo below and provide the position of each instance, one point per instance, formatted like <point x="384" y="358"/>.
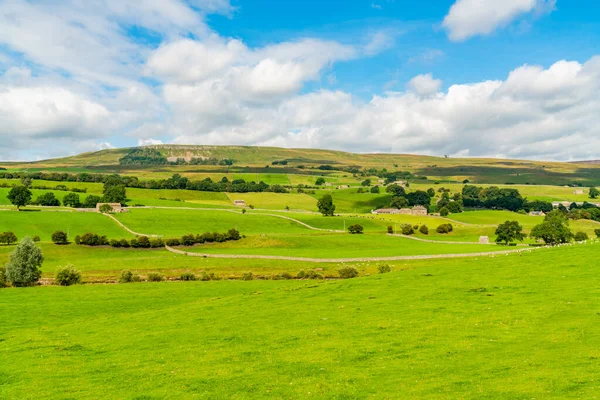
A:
<point x="518" y="326"/>
<point x="44" y="223"/>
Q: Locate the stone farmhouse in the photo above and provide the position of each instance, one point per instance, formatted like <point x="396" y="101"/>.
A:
<point x="116" y="207"/>
<point x="537" y="213"/>
<point x="240" y="203"/>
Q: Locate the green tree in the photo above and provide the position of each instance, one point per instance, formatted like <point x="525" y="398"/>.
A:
<point x="431" y="192"/>
<point x="509" y="231"/>
<point x="115" y="194"/>
<point x="320" y="181"/>
<point x="24" y="267"/>
<point x="454" y="207"/>
<point x="594" y="193"/>
<point x="554" y="230"/>
<point x="444" y="212"/>
<point x="106" y="208"/>
<point x="326" y="206"/>
<point x="366" y="182"/>
<point x="71" y="200"/>
<point x="396" y="190"/>
<point x="8" y="238"/>
<point x="419" y="198"/>
<point x="375" y="189"/>
<point x="91" y="201"/>
<point x="67" y="276"/>
<point x="19" y="196"/>
<point x="356" y="229"/>
<point x="48" y="199"/>
<point x="399" y="202"/>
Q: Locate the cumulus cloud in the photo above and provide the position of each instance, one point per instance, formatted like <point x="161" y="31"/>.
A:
<point x="424" y="85"/>
<point x="468" y="18"/>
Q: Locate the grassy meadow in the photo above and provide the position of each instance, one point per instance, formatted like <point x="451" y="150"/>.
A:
<point x="517" y="326"/>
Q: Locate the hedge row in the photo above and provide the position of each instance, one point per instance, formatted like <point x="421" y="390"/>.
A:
<point x="143" y="242"/>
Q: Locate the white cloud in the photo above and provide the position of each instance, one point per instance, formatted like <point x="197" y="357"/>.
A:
<point x="424" y="85"/>
<point x="468" y="18"/>
<point x="148" y="142"/>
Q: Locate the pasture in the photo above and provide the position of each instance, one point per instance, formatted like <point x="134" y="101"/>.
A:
<point x="530" y="320"/>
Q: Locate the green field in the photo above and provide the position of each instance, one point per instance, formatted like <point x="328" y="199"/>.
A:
<point x="519" y="326"/>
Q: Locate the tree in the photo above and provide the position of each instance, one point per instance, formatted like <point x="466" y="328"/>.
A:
<point x="115" y="194"/>
<point x="366" y="182"/>
<point x="24" y="267"/>
<point x="396" y="190"/>
<point x="431" y="192"/>
<point x="91" y="201"/>
<point x="399" y="202"/>
<point x="597" y="232"/>
<point x="454" y="207"/>
<point x="581" y="237"/>
<point x="594" y="193"/>
<point x="60" y="237"/>
<point x="356" y="229"/>
<point x="509" y="231"/>
<point x="424" y="230"/>
<point x="375" y="189"/>
<point x="326" y="206"/>
<point x="106" y="208"/>
<point x="444" y="212"/>
<point x="320" y="181"/>
<point x="554" y="230"/>
<point x="67" y="276"/>
<point x="48" y="199"/>
<point x="72" y="200"/>
<point x="8" y="238"/>
<point x="419" y="198"/>
<point x="19" y="196"/>
<point x="407" y="229"/>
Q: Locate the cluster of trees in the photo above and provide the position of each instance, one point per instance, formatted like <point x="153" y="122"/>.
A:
<point x="283" y="162"/>
<point x="8" y="238"/>
<point x="20" y="196"/>
<point x="492" y="197"/>
<point x="149" y="156"/>
<point x="585" y="211"/>
<point x="402" y="199"/>
<point x="144" y="242"/>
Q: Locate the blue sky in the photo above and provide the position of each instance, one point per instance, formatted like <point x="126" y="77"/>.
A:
<point x="516" y="78"/>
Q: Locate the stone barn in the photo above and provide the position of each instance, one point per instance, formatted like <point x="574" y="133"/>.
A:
<point x="240" y="203"/>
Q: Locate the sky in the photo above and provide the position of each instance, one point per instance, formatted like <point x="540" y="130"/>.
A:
<point x="465" y="78"/>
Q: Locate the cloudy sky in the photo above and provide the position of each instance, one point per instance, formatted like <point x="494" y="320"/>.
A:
<point x="510" y="78"/>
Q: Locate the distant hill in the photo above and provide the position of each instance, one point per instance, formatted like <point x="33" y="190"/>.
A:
<point x="201" y="160"/>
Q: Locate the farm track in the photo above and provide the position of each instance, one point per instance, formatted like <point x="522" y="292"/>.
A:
<point x="444" y="241"/>
<point x="343" y="260"/>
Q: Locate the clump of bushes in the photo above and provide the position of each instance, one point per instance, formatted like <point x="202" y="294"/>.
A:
<point x="187" y="276"/>
<point x="348" y="272"/>
<point x="207" y="237"/>
<point x="206" y="276"/>
<point x="8" y="238"/>
<point x="247" y="276"/>
<point x="356" y="229"/>
<point x="444" y="212"/>
<point x="91" y="239"/>
<point x="59" y="237"/>
<point x="313" y="275"/>
<point x="597" y="232"/>
<point x="3" y="282"/>
<point x="581" y="237"/>
<point x="407" y="229"/>
<point x="67" y="276"/>
<point x="36" y="238"/>
<point x="424" y="230"/>
<point x="155" y="277"/>
<point x="390" y="229"/>
<point x="128" y="277"/>
<point x="445" y="228"/>
<point x="384" y="269"/>
<point x="286" y="276"/>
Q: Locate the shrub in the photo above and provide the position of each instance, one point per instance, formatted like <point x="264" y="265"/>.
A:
<point x="444" y="228"/>
<point x="24" y="266"/>
<point x="383" y="269"/>
<point x="301" y="275"/>
<point x="581" y="237"/>
<point x="187" y="276"/>
<point x="67" y="276"/>
<point x="407" y="229"/>
<point x="36" y="238"/>
<point x="390" y="229"/>
<point x="173" y="242"/>
<point x="348" y="272"/>
<point x="424" y="230"/>
<point x="125" y="243"/>
<point x="286" y="276"/>
<point x="3" y="282"/>
<point x="355" y="229"/>
<point x="313" y="275"/>
<point x="247" y="276"/>
<point x="233" y="234"/>
<point x="155" y="277"/>
<point x="597" y="232"/>
<point x="209" y="277"/>
<point x="8" y="238"/>
<point x="444" y="211"/>
<point x="156" y="243"/>
<point x="115" y="243"/>
<point x="188" y="240"/>
<point x="92" y="239"/>
<point x="127" y="277"/>
<point x="60" y="237"/>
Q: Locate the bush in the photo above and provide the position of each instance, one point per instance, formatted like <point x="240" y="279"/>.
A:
<point x="173" y="242"/>
<point x="188" y="240"/>
<point x="141" y="242"/>
<point x="424" y="230"/>
<point x="187" y="276"/>
<point x="209" y="277"/>
<point x="115" y="243"/>
<point x="286" y="276"/>
<point x="127" y="277"/>
<point x="348" y="272"/>
<point x="355" y="229"/>
<point x="3" y="282"/>
<point x="407" y="229"/>
<point x="313" y="275"/>
<point x="24" y="266"/>
<point x="597" y="232"/>
<point x="36" y="238"/>
<point x="383" y="269"/>
<point x="301" y="275"/>
<point x="444" y="211"/>
<point x="156" y="243"/>
<point x="106" y="209"/>
<point x="581" y="237"/>
<point x="390" y="229"/>
<point x="92" y="239"/>
<point x="67" y="276"/>
<point x="444" y="228"/>
<point x="155" y="277"/>
<point x="60" y="237"/>
<point x="247" y="276"/>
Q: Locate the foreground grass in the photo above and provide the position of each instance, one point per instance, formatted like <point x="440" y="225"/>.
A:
<point x="506" y="327"/>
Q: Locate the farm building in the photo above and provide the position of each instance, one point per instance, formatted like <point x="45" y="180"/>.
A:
<point x="537" y="213"/>
<point x="240" y="203"/>
<point x="116" y="207"/>
<point x="416" y="210"/>
<point x="578" y="191"/>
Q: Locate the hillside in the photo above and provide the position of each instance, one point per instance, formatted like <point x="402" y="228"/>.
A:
<point x="249" y="159"/>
